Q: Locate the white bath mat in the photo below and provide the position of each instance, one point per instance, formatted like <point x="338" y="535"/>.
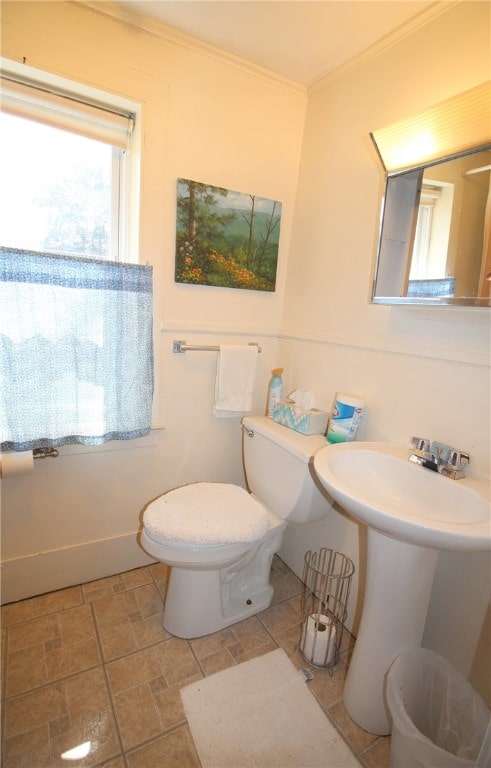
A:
<point x="262" y="714"/>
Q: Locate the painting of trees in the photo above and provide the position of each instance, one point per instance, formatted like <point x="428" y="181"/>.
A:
<point x="226" y="238"/>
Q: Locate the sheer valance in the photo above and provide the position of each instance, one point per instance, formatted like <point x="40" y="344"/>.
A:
<point x="76" y="352"/>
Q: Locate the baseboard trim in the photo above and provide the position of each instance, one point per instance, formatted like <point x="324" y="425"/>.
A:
<point x="31" y="575"/>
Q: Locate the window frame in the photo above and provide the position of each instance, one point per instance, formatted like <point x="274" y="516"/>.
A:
<point x="126" y="174"/>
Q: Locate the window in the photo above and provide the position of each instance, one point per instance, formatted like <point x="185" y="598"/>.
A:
<point x="66" y="167"/>
<point x="422" y="238"/>
<point x="431" y="239"/>
<point x="76" y="350"/>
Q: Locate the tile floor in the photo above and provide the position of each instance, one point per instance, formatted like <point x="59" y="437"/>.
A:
<point x="92" y="665"/>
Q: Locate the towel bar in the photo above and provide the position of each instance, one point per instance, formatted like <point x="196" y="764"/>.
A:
<point x="181" y="346"/>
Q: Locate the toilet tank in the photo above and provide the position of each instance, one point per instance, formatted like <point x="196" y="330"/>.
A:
<point x="279" y="471"/>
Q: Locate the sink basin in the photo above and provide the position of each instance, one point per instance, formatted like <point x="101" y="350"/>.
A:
<point x="411" y="514"/>
<point x="377" y="484"/>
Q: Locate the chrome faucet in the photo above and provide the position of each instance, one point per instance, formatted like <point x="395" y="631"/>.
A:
<point x="439" y="457"/>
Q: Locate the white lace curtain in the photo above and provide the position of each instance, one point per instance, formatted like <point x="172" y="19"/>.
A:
<point x="76" y="353"/>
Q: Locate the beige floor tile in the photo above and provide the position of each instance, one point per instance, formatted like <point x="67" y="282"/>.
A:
<point x="130" y="633"/>
<point x="102" y="588"/>
<point x="145" y="691"/>
<point x="35" y="709"/>
<point x="176" y="750"/>
<point x="95" y="744"/>
<point x="137" y="578"/>
<point x="297" y="603"/>
<point x="77" y="625"/>
<point x="117" y="638"/>
<point x="268" y="646"/>
<point x="137" y="715"/>
<point x="135" y="669"/>
<point x="50" y="648"/>
<point x="118" y="762"/>
<point x="58" y="696"/>
<point x="176" y="660"/>
<point x="73" y="658"/>
<point x="328" y="689"/>
<point x="13" y="613"/>
<point x="285" y="584"/>
<point x="279" y="618"/>
<point x="377" y="756"/>
<point x="91" y="722"/>
<point x="26" y="669"/>
<point x="169" y="705"/>
<point x="149" y="600"/>
<point x="205" y="646"/>
<point x="242" y="641"/>
<point x="149" y="631"/>
<point x="28" y="749"/>
<point x="88" y="697"/>
<point x="217" y="661"/>
<point x="289" y="639"/>
<point x="251" y="634"/>
<point x="34" y="632"/>
<point x="160" y="574"/>
<point x="3" y="656"/>
<point x="115" y="607"/>
<point x="358" y="739"/>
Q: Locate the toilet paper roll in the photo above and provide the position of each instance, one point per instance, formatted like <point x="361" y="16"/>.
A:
<point x="16" y="463"/>
<point x="320" y="633"/>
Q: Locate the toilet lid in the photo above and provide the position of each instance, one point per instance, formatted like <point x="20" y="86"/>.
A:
<point x="206" y="513"/>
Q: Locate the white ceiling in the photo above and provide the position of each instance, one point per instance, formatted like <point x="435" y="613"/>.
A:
<point x="300" y="40"/>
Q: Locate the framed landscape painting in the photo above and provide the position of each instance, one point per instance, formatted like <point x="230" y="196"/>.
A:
<point x="226" y="238"/>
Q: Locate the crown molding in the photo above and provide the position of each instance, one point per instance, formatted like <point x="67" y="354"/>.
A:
<point x="112" y="9"/>
<point x="385" y="43"/>
<point x="140" y="21"/>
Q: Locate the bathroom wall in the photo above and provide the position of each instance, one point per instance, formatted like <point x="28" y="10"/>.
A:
<point x="206" y="117"/>
<point x="422" y="371"/>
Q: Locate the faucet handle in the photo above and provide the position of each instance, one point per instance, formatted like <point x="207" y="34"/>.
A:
<point x="441" y="451"/>
<point x="421" y="443"/>
<point x="458" y="459"/>
<point x="454" y="464"/>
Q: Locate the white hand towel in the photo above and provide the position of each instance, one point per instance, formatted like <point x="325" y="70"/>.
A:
<point x="236" y="369"/>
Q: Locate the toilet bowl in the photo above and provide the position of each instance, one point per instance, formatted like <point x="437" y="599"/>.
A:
<point x="220" y="539"/>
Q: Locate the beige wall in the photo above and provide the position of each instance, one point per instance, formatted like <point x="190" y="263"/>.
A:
<point x="421" y="371"/>
<point x="206" y="118"/>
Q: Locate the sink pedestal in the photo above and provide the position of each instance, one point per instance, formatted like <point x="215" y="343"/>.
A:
<point x="399" y="580"/>
<point x="411" y="515"/>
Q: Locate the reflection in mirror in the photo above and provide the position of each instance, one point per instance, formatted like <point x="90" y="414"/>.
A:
<point x="435" y="230"/>
<point x="435" y="244"/>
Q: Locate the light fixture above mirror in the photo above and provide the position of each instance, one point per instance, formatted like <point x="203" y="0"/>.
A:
<point x="435" y="241"/>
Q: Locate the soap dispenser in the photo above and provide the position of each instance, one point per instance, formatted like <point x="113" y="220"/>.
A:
<point x="274" y="391"/>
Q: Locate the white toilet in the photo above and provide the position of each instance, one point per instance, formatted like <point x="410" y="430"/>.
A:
<point x="220" y="539"/>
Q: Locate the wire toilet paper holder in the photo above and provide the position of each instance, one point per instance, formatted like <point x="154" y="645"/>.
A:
<point x="327" y="578"/>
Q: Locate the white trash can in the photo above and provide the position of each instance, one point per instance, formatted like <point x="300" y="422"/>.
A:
<point x="438" y="719"/>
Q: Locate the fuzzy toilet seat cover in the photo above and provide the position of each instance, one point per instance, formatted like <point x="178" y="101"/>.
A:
<point x="206" y="513"/>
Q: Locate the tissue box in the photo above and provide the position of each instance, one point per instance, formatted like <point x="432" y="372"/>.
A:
<point x="308" y="422"/>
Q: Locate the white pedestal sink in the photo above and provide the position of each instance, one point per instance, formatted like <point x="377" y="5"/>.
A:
<point x="411" y="513"/>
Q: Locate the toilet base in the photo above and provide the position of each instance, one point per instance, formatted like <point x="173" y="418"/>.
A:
<point x="202" y="602"/>
<point x="203" y="616"/>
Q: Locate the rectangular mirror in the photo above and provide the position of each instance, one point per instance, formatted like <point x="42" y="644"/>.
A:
<point x="434" y="244"/>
